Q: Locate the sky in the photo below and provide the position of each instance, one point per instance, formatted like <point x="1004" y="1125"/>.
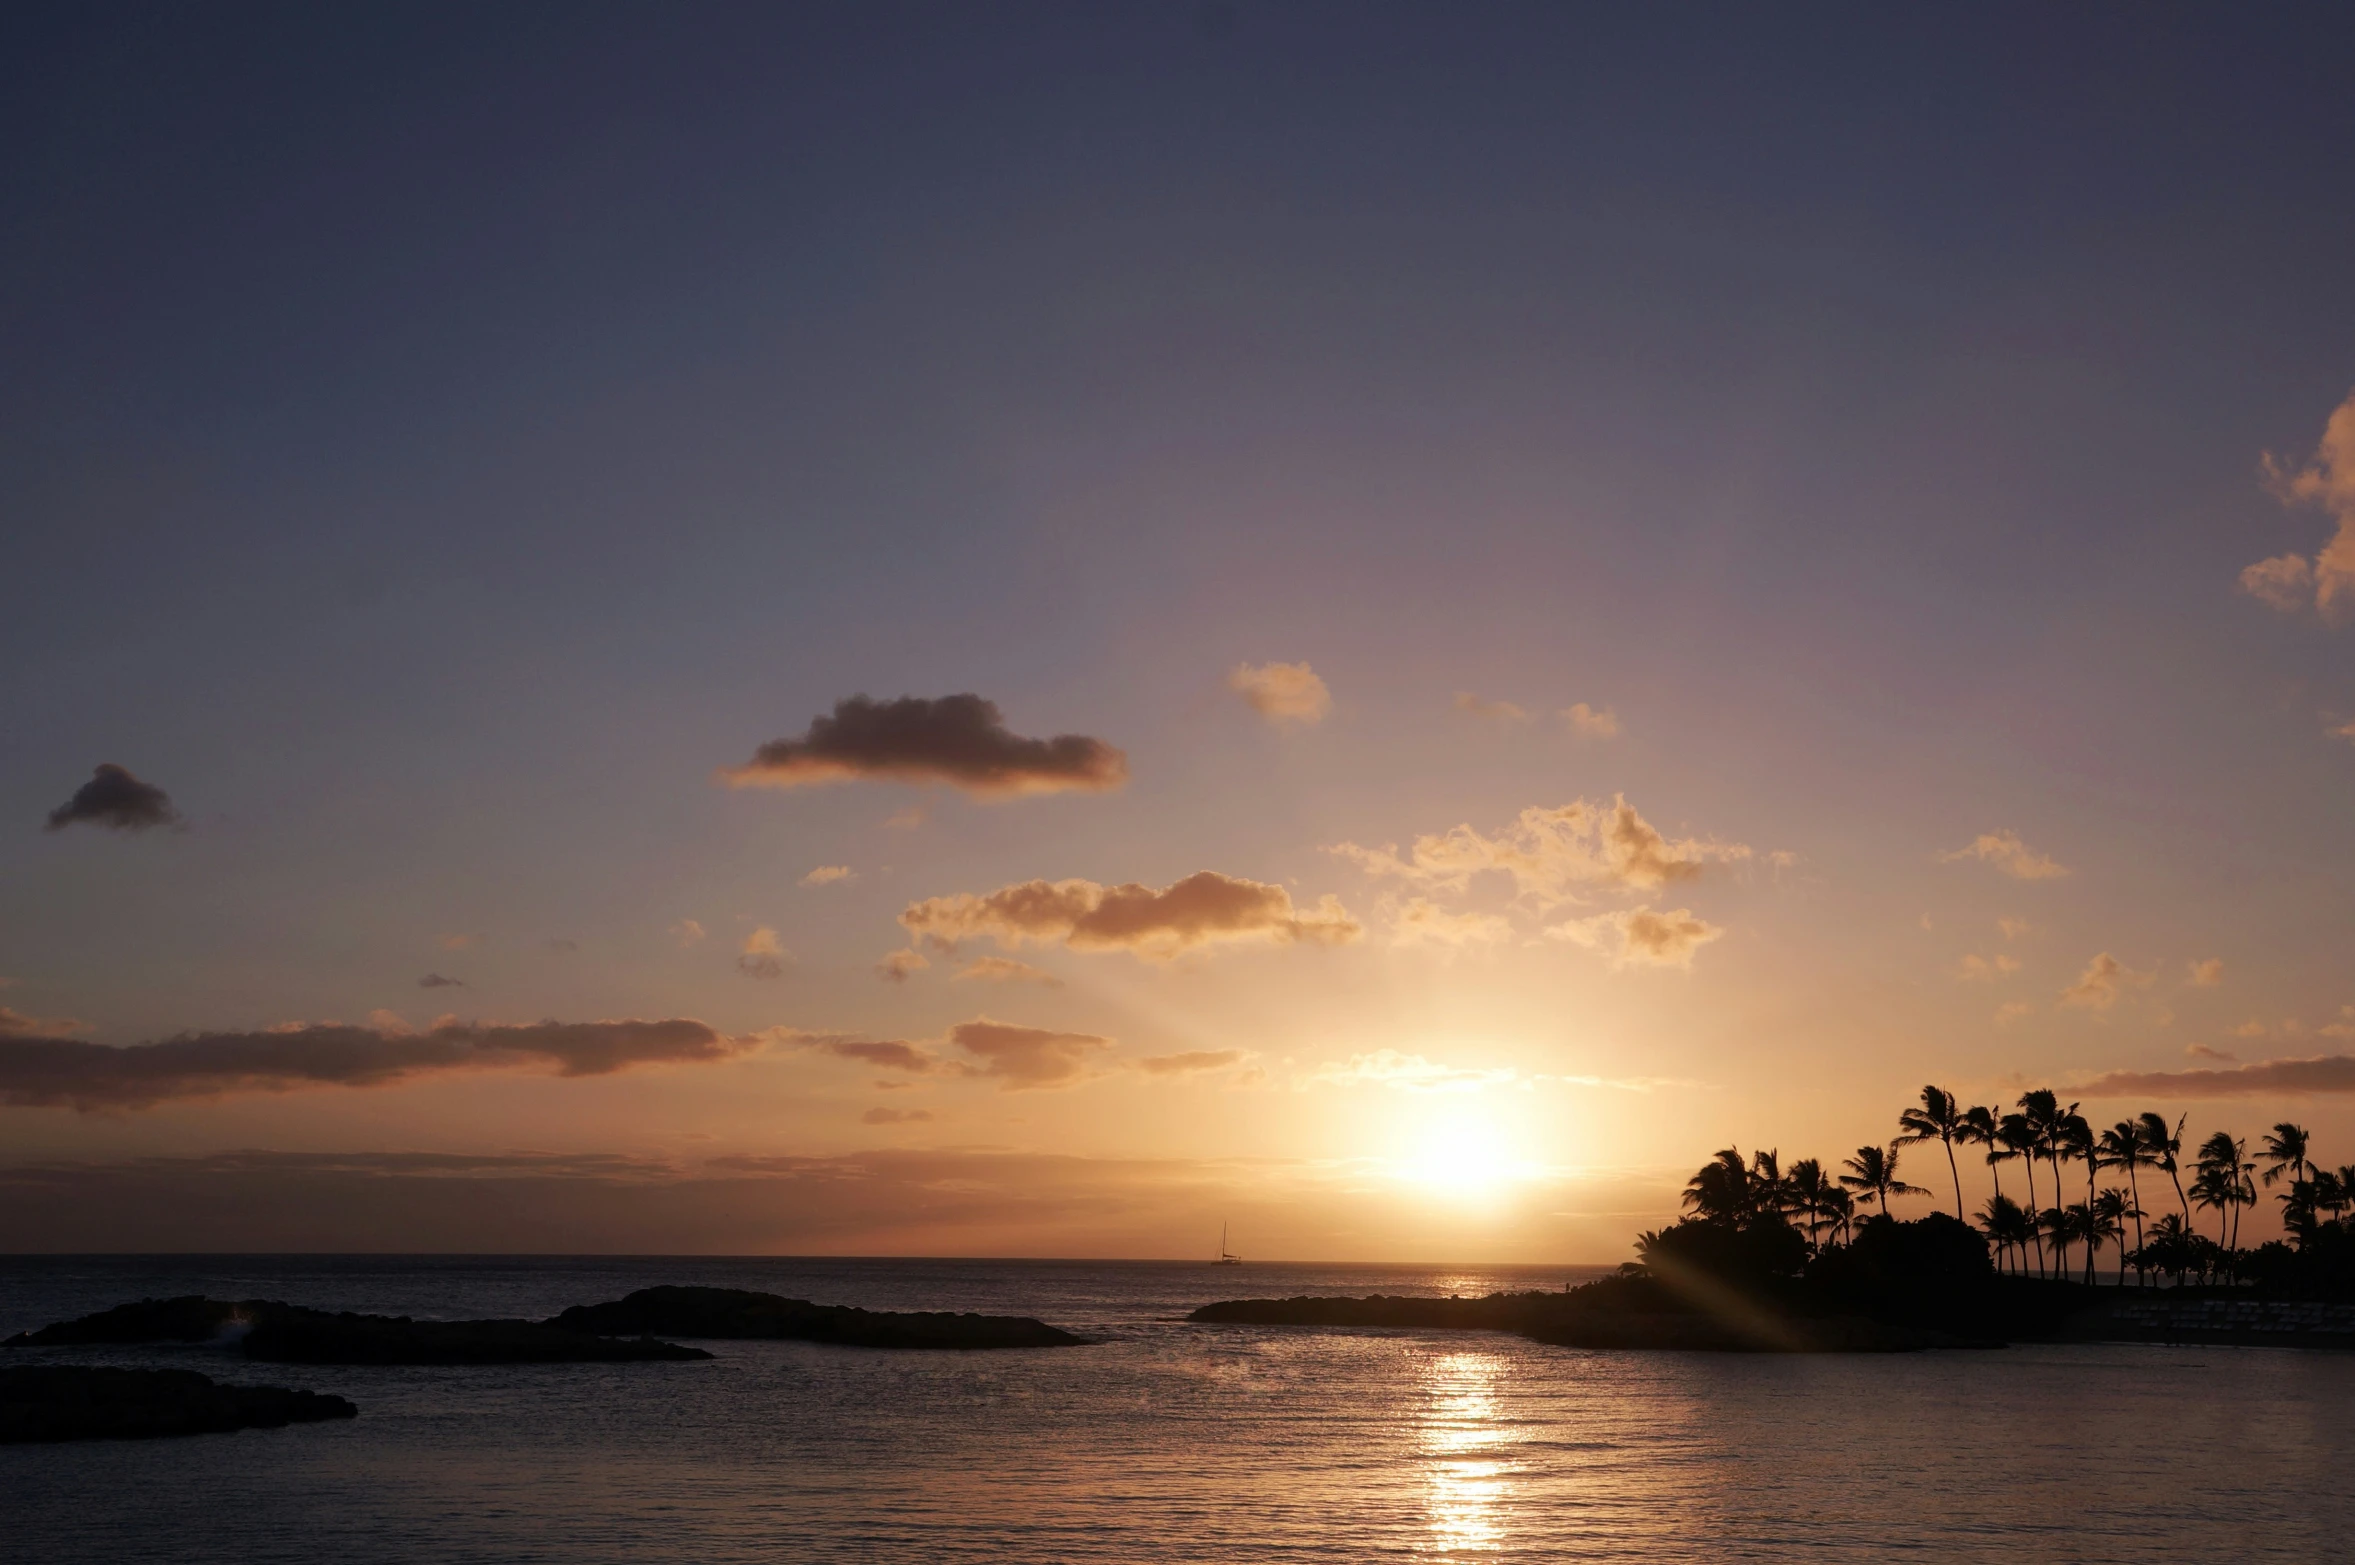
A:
<point x="1030" y="630"/>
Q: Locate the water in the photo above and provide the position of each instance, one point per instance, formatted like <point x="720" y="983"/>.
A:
<point x="1173" y="1442"/>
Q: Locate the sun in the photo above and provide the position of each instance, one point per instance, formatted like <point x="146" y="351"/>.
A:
<point x="1461" y="1157"/>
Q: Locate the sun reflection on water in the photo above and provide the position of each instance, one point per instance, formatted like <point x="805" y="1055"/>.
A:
<point x="1464" y="1441"/>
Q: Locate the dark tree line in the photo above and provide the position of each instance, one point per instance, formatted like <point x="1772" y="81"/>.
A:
<point x="1738" y="1201"/>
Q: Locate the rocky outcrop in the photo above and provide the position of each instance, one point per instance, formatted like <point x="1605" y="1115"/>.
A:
<point x="289" y="1334"/>
<point x="73" y="1402"/>
<point x="740" y="1313"/>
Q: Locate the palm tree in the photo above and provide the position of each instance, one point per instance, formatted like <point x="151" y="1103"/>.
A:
<point x="2218" y="1184"/>
<point x="2005" y="1225"/>
<point x="2047" y="1125"/>
<point x="2106" y="1216"/>
<point x="2165" y="1146"/>
<point x="2073" y="1138"/>
<point x="2122" y="1147"/>
<point x="1769" y="1194"/>
<point x="1840" y="1210"/>
<point x="1721" y="1191"/>
<point x="1939" y="1119"/>
<point x="2061" y="1229"/>
<point x="1872" y="1174"/>
<point x="2019" y="1140"/>
<point x="1811" y="1191"/>
<point x="2287" y="1146"/>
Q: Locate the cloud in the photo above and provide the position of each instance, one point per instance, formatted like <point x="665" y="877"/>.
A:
<point x="1983" y="969"/>
<point x="2285" y="582"/>
<point x="1192" y="1062"/>
<point x="906" y="820"/>
<point x="115" y="799"/>
<point x="1641" y="937"/>
<point x="828" y="874"/>
<point x="882" y="1053"/>
<point x="2098" y="987"/>
<point x="2207" y="973"/>
<point x="1419" y="921"/>
<point x="1590" y="722"/>
<point x="2341" y="731"/>
<point x="16" y="1024"/>
<point x="456" y="942"/>
<point x="1020" y="1058"/>
<point x="1405" y="1072"/>
<point x="1204" y="908"/>
<point x="1005" y="970"/>
<point x="2326" y="480"/>
<point x="1495" y="711"/>
<point x="896" y="1116"/>
<point x="1282" y="692"/>
<point x="762" y="955"/>
<point x="437" y="981"/>
<point x="53" y="1072"/>
<point x="2200" y="1051"/>
<point x="899" y="965"/>
<point x="686" y="932"/>
<point x="2013" y="928"/>
<point x="960" y="740"/>
<point x="2008" y="853"/>
<point x="1552" y="854"/>
<point x="2011" y="1011"/>
<point x="2318" y="1076"/>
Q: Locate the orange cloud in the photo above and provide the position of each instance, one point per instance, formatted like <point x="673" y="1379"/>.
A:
<point x="1553" y="854"/>
<point x="686" y="932"/>
<point x="1981" y="969"/>
<point x="2326" y="480"/>
<point x="1591" y="722"/>
<point x="1191" y="1062"/>
<point x="1021" y="1058"/>
<point x="1282" y="692"/>
<point x="2206" y="974"/>
<point x="53" y="1072"/>
<point x="16" y="1024"/>
<point x="1421" y="922"/>
<point x="897" y="967"/>
<point x="1203" y="909"/>
<point x="2318" y="1076"/>
<point x="829" y="874"/>
<point x="763" y="956"/>
<point x="2098" y="987"/>
<point x="1641" y="937"/>
<point x="2008" y="853"/>
<point x="960" y="740"/>
<point x="896" y="1116"/>
<point x="1496" y="711"/>
<point x="1005" y="970"/>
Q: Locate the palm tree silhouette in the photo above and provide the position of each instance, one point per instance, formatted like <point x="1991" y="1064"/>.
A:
<point x="2165" y="1147"/>
<point x="2218" y="1184"/>
<point x="1811" y="1196"/>
<point x="1723" y="1191"/>
<point x="2122" y="1147"/>
<point x="1872" y="1174"/>
<point x="2006" y="1225"/>
<point x="1939" y="1119"/>
<point x="2019" y="1140"/>
<point x="2106" y="1216"/>
<point x="2287" y="1146"/>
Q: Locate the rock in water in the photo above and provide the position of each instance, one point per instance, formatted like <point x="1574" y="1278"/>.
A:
<point x="289" y="1334"/>
<point x="739" y="1313"/>
<point x="75" y="1402"/>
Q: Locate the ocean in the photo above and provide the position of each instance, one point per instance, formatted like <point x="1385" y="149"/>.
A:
<point x="1167" y="1441"/>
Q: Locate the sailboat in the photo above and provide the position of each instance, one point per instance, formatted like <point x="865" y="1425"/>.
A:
<point x="1224" y="1258"/>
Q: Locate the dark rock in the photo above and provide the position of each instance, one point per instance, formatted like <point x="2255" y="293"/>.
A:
<point x="75" y="1402"/>
<point x="289" y="1334"/>
<point x="739" y="1313"/>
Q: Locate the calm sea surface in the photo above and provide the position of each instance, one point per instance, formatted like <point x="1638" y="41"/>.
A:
<point x="1173" y="1442"/>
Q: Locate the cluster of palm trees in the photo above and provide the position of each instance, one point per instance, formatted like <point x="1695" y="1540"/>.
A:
<point x="2043" y="1130"/>
<point x="2044" y="1135"/>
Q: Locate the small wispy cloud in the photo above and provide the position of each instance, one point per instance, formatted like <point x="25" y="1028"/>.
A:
<point x="2006" y="852"/>
<point x="440" y="981"/>
<point x="829" y="875"/>
<point x="1005" y="970"/>
<point x="762" y="954"/>
<point x="1492" y="711"/>
<point x="686" y="932"/>
<point x="2206" y="973"/>
<point x="1283" y="693"/>
<point x="1589" y="722"/>
<point x="1986" y="969"/>
<point x="900" y="965"/>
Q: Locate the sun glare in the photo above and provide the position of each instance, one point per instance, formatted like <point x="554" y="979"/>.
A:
<point x="1464" y="1158"/>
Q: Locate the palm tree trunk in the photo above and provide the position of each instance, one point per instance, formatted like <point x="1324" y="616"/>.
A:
<point x="2034" y="1232"/>
<point x="2135" y="1195"/>
<point x="1953" y="1168"/>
